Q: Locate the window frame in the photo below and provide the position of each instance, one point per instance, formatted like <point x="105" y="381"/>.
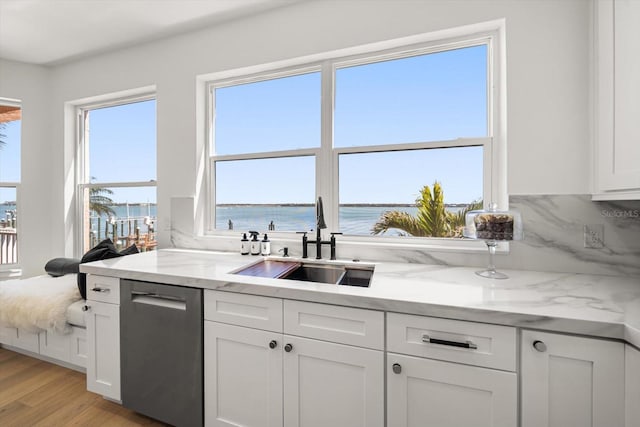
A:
<point x="82" y="174"/>
<point x="15" y="269"/>
<point x="327" y="157"/>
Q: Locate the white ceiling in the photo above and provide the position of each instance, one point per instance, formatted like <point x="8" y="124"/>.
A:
<point x="50" y="32"/>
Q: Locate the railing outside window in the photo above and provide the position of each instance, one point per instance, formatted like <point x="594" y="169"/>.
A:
<point x="8" y="245"/>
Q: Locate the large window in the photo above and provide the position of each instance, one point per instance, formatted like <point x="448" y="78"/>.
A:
<point x="10" y="122"/>
<point x="383" y="137"/>
<point x="117" y="173"/>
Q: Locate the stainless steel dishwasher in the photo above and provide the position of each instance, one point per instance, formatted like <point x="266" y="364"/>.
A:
<point x="161" y="348"/>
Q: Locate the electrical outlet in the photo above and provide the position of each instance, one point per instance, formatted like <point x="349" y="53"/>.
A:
<point x="594" y="236"/>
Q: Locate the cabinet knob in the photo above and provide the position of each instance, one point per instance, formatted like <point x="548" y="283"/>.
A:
<point x="540" y="346"/>
<point x="396" y="368"/>
<point x="288" y="348"/>
<point x="273" y="344"/>
<point x="85" y="308"/>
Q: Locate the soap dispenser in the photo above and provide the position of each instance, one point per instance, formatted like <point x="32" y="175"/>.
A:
<point x="244" y="245"/>
<point x="265" y="245"/>
<point x="255" y="243"/>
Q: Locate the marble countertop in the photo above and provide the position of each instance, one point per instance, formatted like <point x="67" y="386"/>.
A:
<point x="602" y="306"/>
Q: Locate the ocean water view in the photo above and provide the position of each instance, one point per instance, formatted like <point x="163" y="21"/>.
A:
<point x="354" y="219"/>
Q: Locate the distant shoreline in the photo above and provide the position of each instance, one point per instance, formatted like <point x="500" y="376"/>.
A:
<point x="275" y="205"/>
<point x="346" y="205"/>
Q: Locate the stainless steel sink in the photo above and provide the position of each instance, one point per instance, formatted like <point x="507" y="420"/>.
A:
<point x="316" y="273"/>
<point x="335" y="274"/>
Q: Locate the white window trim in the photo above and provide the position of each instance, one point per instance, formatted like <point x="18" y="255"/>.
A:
<point x="82" y="179"/>
<point x="13" y="270"/>
<point x="494" y="145"/>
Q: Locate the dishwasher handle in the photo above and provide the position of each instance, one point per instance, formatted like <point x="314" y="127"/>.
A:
<point x="164" y="301"/>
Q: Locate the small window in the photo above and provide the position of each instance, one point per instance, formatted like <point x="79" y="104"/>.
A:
<point x="10" y="137"/>
<point x="118" y="162"/>
<point x="270" y="115"/>
<point x="430" y="97"/>
<point x="267" y="135"/>
<point x="380" y="191"/>
<point x="268" y="194"/>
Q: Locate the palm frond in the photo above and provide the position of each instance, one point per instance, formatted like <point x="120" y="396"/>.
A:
<point x="3" y="126"/>
<point x="399" y="220"/>
<point x="99" y="201"/>
<point x="432" y="214"/>
<point x="457" y="220"/>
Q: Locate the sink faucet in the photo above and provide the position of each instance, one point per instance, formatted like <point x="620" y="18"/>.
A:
<point x="320" y="224"/>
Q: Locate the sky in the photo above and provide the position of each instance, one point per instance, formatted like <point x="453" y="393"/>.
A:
<point x="122" y="148"/>
<point x="10" y="159"/>
<point x="425" y="98"/>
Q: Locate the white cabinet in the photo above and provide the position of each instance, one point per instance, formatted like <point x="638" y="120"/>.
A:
<point x="70" y="348"/>
<point x="327" y="384"/>
<point x="426" y="392"/>
<point x="103" y="336"/>
<point x="242" y="376"/>
<point x="19" y="338"/>
<point x="632" y="386"/>
<point x="66" y="350"/>
<point x="571" y="381"/>
<point x="248" y="370"/>
<point x="617" y="106"/>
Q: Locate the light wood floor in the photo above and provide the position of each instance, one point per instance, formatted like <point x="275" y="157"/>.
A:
<point x="38" y="393"/>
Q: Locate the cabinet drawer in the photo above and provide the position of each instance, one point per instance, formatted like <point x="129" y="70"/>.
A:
<point x="346" y="325"/>
<point x="244" y="310"/>
<point x="103" y="289"/>
<point x="491" y="346"/>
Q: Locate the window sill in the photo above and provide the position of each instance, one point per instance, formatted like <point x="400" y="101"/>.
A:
<point x="229" y="240"/>
<point x="10" y="272"/>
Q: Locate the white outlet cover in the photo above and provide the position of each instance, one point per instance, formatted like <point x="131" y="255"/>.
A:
<point x="594" y="236"/>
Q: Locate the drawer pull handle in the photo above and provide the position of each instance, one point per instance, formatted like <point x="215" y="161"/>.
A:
<point x="540" y="346"/>
<point x="467" y="344"/>
<point x="397" y="368"/>
<point x="273" y="344"/>
<point x="97" y="289"/>
<point x="85" y="308"/>
<point x="288" y="348"/>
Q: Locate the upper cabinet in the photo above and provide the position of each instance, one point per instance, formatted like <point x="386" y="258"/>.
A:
<point x="617" y="100"/>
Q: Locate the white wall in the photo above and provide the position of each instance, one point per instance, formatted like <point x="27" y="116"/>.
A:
<point x="547" y="77"/>
<point x="30" y="84"/>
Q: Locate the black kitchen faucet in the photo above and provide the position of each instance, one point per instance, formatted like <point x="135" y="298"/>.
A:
<point x="320" y="224"/>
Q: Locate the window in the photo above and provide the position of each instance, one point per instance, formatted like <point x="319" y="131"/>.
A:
<point x="267" y="137"/>
<point x="377" y="135"/>
<point x="10" y="122"/>
<point x="117" y="173"/>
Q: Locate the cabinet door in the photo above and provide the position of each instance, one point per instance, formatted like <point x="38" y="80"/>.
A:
<point x="571" y="381"/>
<point x="618" y="106"/>
<point x="103" y="349"/>
<point x="632" y="386"/>
<point x="424" y="392"/>
<point x="242" y="376"/>
<point x="327" y="384"/>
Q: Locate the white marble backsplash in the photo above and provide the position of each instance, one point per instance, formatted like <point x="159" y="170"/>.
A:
<point x="553" y="238"/>
<point x="554" y="235"/>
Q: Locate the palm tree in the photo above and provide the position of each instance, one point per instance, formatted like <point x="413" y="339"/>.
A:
<point x="457" y="220"/>
<point x="432" y="220"/>
<point x="3" y="126"/>
<point x="99" y="201"/>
